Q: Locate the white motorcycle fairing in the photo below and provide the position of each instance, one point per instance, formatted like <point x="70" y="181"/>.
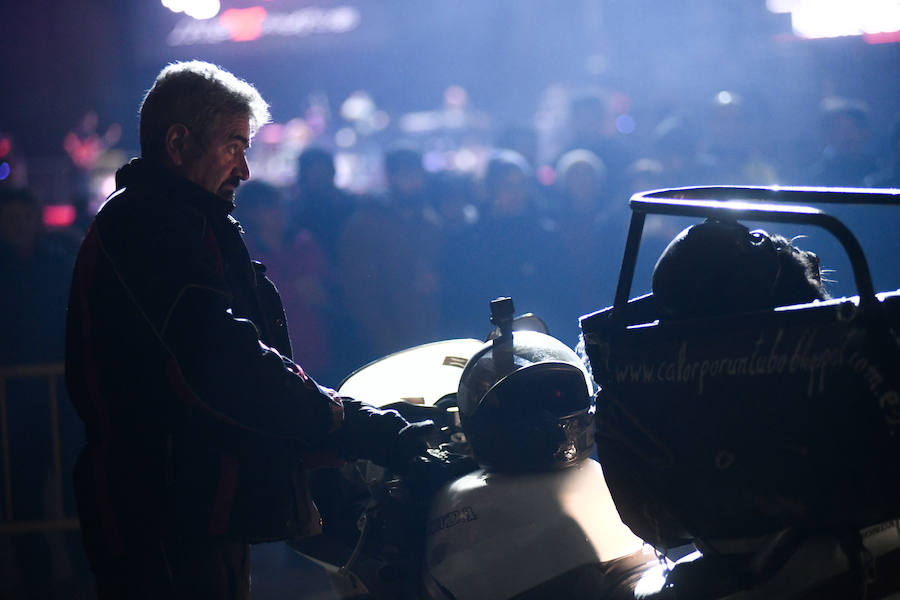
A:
<point x="495" y="535"/>
<point x="420" y="376"/>
<point x="487" y="535"/>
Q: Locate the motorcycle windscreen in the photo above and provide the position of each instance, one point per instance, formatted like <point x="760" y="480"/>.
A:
<point x="421" y="375"/>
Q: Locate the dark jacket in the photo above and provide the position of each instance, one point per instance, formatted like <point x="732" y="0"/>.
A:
<point x="178" y="362"/>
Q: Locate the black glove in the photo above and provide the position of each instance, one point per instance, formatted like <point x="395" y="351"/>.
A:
<point x="430" y="471"/>
<point x="382" y="436"/>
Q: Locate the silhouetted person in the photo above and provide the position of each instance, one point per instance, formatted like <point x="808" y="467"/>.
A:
<point x="408" y="183"/>
<point x="35" y="268"/>
<point x="200" y="428"/>
<point x="522" y="139"/>
<point x="675" y="143"/>
<point x="455" y="201"/>
<point x="512" y="250"/>
<point x="320" y="207"/>
<point x="305" y="275"/>
<point x="846" y="158"/>
<point x="730" y="148"/>
<point x="592" y="229"/>
<point x="592" y="128"/>
<point x="889" y="176"/>
<point x="386" y="261"/>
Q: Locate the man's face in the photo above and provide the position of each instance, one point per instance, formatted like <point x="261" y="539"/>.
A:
<point x="219" y="164"/>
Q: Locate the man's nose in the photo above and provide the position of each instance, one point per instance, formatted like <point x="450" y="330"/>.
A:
<point x="243" y="169"/>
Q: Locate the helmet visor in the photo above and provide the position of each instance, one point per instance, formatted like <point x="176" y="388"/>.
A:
<point x="558" y="389"/>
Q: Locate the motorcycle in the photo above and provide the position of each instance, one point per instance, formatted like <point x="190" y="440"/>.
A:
<point x="754" y="454"/>
<point x="492" y="510"/>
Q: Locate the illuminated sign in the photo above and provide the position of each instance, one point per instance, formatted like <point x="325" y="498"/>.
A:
<point x="198" y="9"/>
<point x="241" y="25"/>
<point x="876" y="20"/>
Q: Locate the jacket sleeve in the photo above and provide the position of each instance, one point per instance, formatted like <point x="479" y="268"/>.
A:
<point x="172" y="269"/>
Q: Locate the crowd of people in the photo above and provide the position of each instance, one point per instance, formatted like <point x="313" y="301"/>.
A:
<point x="366" y="274"/>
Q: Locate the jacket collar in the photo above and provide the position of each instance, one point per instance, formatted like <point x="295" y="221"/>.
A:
<point x="142" y="172"/>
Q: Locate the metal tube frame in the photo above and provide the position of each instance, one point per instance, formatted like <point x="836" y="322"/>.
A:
<point x="57" y="521"/>
<point x="773" y="204"/>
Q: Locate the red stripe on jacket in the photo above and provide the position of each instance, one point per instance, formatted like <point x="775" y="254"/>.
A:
<point x="87" y="271"/>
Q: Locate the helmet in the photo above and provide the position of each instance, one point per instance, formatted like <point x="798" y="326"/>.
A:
<point x="525" y="403"/>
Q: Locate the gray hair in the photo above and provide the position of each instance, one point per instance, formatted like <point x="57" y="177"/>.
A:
<point x="197" y="94"/>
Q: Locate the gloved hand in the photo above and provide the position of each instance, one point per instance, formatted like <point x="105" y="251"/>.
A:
<point x="382" y="436"/>
<point x="430" y="471"/>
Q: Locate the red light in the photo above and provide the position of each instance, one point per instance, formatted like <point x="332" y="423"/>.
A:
<point x="619" y="103"/>
<point x="5" y="147"/>
<point x="546" y="175"/>
<point x="272" y="133"/>
<point x="244" y="24"/>
<point x="59" y="215"/>
<point x="886" y="37"/>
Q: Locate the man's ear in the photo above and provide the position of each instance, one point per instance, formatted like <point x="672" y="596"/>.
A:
<point x="176" y="142"/>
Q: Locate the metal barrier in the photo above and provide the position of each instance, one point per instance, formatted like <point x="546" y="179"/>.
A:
<point x="57" y="519"/>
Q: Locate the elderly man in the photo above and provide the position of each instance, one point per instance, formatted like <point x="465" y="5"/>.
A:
<point x="199" y="426"/>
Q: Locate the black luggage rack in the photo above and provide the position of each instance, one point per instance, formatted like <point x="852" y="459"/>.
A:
<point x="742" y="424"/>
